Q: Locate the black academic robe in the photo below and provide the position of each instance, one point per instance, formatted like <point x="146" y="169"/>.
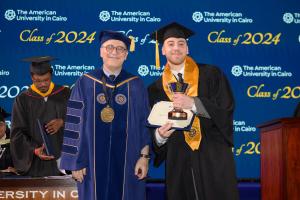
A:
<point x="297" y="111"/>
<point x="25" y="136"/>
<point x="5" y="157"/>
<point x="209" y="172"/>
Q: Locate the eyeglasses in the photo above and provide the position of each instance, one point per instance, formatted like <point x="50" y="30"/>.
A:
<point x="110" y="48"/>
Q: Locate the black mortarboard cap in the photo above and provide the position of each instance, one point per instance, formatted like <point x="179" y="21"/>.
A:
<point x="114" y="35"/>
<point x="171" y="30"/>
<point x="40" y="64"/>
<point x="3" y="114"/>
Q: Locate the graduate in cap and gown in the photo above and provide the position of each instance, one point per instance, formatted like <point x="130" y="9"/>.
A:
<point x="6" y="164"/>
<point x="46" y="102"/>
<point x="199" y="162"/>
<point x="106" y="142"/>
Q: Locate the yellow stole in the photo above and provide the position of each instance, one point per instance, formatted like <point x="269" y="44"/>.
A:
<point x="41" y="93"/>
<point x="191" y="76"/>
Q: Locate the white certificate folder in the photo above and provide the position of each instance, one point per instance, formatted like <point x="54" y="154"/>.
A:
<point x="159" y="116"/>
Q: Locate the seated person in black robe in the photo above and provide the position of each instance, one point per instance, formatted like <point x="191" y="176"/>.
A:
<point x="6" y="165"/>
<point x="47" y="102"/>
<point x="297" y="111"/>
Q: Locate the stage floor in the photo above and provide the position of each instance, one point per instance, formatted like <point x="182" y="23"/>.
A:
<point x="247" y="191"/>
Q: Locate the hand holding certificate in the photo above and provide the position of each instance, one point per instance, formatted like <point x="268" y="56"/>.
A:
<point x="46" y="140"/>
<point x="159" y="116"/>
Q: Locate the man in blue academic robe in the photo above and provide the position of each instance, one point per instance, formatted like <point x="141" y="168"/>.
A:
<point x="106" y="143"/>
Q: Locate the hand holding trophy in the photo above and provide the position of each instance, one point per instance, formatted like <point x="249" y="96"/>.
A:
<point x="164" y="111"/>
<point x="178" y="87"/>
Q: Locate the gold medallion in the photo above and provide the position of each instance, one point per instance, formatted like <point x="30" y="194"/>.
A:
<point x="192" y="133"/>
<point x="107" y="114"/>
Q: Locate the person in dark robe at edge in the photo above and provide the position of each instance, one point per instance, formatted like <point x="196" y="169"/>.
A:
<point x="199" y="163"/>
<point x="106" y="141"/>
<point x="46" y="102"/>
<point x="6" y="164"/>
<point x="297" y="111"/>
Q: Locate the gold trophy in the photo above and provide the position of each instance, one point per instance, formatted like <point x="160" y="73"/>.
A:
<point x="178" y="113"/>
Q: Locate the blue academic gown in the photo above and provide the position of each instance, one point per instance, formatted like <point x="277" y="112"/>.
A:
<point x="109" y="151"/>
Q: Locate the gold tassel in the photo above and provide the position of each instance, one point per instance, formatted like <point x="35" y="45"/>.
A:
<point x="157" y="61"/>
<point x="132" y="44"/>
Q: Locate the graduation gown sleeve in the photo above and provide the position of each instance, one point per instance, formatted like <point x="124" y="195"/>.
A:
<point x="216" y="96"/>
<point x="156" y="94"/>
<point x="73" y="157"/>
<point x="22" y="144"/>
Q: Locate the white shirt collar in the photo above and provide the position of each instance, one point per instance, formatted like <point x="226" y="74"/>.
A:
<point x="107" y="73"/>
<point x="176" y="72"/>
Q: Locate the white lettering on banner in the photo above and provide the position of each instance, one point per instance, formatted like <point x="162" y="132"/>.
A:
<point x="230" y="14"/>
<point x="58" y="19"/>
<point x="63" y="73"/>
<point x="25" y="18"/>
<point x="40" y="194"/>
<point x="220" y="17"/>
<point x="4" y="73"/>
<point x="128" y="16"/>
<point x="138" y="13"/>
<point x="11" y="92"/>
<point x="238" y="123"/>
<point x="152" y="19"/>
<point x="22" y="194"/>
<point x="71" y="70"/>
<point x="260" y="71"/>
<point x="124" y="19"/>
<point x="216" y="20"/>
<point x="257" y="74"/>
<point x="240" y="126"/>
<point x="284" y="74"/>
<point x="42" y="12"/>
<point x="270" y="67"/>
<point x="34" y="15"/>
<point x="74" y="194"/>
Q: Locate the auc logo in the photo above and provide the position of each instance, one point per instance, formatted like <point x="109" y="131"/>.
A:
<point x="197" y="16"/>
<point x="104" y="16"/>
<point x="150" y="70"/>
<point x="10" y="15"/>
<point x="143" y="70"/>
<point x="288" y="18"/>
<point x="236" y="70"/>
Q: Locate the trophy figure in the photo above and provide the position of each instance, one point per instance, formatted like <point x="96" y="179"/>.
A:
<point x="178" y="87"/>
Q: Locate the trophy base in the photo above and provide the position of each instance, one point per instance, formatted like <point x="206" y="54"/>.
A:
<point x="177" y="115"/>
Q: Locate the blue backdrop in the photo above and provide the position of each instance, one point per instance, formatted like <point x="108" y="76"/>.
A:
<point x="256" y="44"/>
